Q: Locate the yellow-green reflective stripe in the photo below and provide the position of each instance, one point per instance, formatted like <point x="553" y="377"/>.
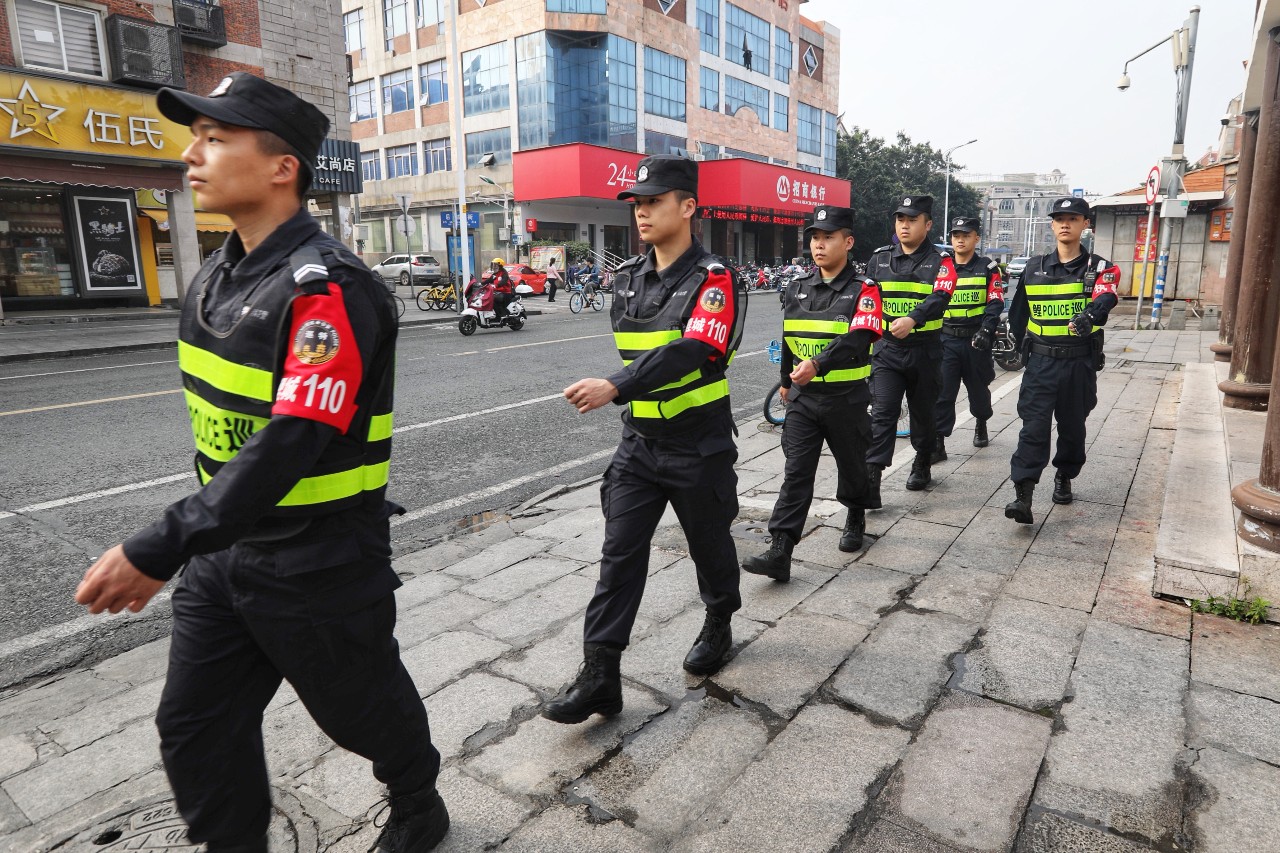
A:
<point x="216" y="429"/>
<point x="929" y="326"/>
<point x="251" y="382"/>
<point x="906" y="287"/>
<point x="380" y="427"/>
<point x="968" y="281"/>
<point x="851" y="374"/>
<point x="645" y="340"/>
<point x="682" y="381"/>
<point x="671" y="408"/>
<point x="1048" y="331"/>
<point x="1072" y="287"/>
<point x="829" y="326"/>
<point x="334" y="487"/>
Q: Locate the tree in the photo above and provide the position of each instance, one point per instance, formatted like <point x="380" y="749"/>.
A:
<point x="882" y="174"/>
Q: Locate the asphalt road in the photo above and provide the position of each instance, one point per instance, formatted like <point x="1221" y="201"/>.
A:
<point x="92" y="449"/>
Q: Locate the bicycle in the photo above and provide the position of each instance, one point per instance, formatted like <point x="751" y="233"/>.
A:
<point x="581" y="294"/>
<point x="437" y="297"/>
<point x="775" y="408"/>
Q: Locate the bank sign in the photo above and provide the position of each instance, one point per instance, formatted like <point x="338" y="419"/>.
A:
<point x="56" y="115"/>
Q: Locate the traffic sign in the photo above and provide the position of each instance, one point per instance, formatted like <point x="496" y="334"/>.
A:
<point x="405" y="225"/>
<point x="1153" y="184"/>
<point x="403" y="199"/>
<point x="446" y="219"/>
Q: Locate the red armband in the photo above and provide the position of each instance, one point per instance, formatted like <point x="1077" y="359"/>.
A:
<point x="323" y="367"/>
<point x="995" y="288"/>
<point x="712" y="317"/>
<point x="946" y="279"/>
<point x="1108" y="281"/>
<point x="869" y="316"/>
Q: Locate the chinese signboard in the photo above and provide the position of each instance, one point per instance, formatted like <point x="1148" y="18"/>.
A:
<point x="58" y="115"/>
<point x="104" y="227"/>
<point x="1143" y="238"/>
<point x="338" y="168"/>
<point x="766" y="217"/>
<point x="749" y="184"/>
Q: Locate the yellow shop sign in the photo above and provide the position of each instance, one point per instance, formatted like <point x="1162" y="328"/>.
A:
<point x="58" y="115"/>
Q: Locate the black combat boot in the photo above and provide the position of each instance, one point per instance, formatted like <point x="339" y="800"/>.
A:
<point x="596" y="690"/>
<point x="711" y="648"/>
<point x="854" y="527"/>
<point x="980" y="434"/>
<point x="1062" y="489"/>
<point x="774" y="563"/>
<point x="939" y="451"/>
<point x="1019" y="509"/>
<point x="418" y="822"/>
<point x="873" y="485"/>
<point x="920" y="475"/>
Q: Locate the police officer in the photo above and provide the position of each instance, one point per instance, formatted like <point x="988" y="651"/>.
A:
<point x="831" y="317"/>
<point x="967" y="330"/>
<point x="286" y="348"/>
<point x="1055" y="318"/>
<point x="677" y="318"/>
<point x="916" y="281"/>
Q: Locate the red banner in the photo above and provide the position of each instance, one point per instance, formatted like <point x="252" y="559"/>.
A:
<point x="573" y="171"/>
<point x="747" y="183"/>
<point x="1152" y="242"/>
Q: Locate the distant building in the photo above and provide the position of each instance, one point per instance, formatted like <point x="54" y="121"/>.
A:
<point x="1014" y="210"/>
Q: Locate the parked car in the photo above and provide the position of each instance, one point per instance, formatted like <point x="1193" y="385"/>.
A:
<point x="1015" y="267"/>
<point x="399" y="269"/>
<point x="525" y="276"/>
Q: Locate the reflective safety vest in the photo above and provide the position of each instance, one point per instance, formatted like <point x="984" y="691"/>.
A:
<point x="230" y="381"/>
<point x="969" y="300"/>
<point x="900" y="296"/>
<point x="807" y="333"/>
<point x="1054" y="300"/>
<point x="681" y="405"/>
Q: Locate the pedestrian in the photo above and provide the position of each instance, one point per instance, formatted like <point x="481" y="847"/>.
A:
<point x="916" y="281"/>
<point x="968" y="327"/>
<point x="1056" y="317"/>
<point x="830" y="320"/>
<point x="677" y="317"/>
<point x="286" y="348"/>
<point x="553" y="278"/>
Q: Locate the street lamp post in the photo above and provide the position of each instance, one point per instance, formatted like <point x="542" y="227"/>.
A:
<point x="1184" y="54"/>
<point x="511" y="227"/>
<point x="946" y="193"/>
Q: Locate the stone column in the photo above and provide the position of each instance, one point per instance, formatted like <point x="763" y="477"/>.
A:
<point x="1235" y="255"/>
<point x="1248" y="385"/>
<point x="182" y="232"/>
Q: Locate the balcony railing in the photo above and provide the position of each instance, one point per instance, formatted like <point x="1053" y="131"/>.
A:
<point x="201" y="22"/>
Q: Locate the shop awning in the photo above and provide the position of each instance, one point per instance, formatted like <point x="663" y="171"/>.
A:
<point x="47" y="170"/>
<point x="204" y="221"/>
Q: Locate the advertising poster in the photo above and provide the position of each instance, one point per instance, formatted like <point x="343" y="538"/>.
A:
<point x="540" y="256"/>
<point x="108" y="244"/>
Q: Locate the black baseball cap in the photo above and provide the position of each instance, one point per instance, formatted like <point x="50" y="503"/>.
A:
<point x="966" y="223"/>
<point x="830" y="218"/>
<point x="1069" y="204"/>
<point x="663" y="173"/>
<point x="243" y="100"/>
<point x="915" y="205"/>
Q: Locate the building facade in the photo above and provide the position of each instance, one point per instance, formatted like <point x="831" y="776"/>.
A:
<point x="1015" y="211"/>
<point x="710" y="79"/>
<point x="94" y="208"/>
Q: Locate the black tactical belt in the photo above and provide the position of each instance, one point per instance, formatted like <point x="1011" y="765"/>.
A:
<point x="1066" y="351"/>
<point x="960" y="331"/>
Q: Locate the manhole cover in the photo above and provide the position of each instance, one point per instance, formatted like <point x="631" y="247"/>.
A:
<point x="751" y="530"/>
<point x="158" y="828"/>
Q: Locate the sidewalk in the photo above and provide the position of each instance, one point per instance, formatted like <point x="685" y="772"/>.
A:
<point x="962" y="684"/>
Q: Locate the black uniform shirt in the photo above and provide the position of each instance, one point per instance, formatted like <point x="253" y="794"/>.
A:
<point x="978" y="265"/>
<point x="276" y="457"/>
<point x="841" y="351"/>
<point x="1073" y="270"/>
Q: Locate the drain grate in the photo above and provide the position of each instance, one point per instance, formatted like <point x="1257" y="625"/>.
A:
<point x="158" y="828"/>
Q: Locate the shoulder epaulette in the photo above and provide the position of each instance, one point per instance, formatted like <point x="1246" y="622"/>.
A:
<point x="991" y="265"/>
<point x="888" y="248"/>
<point x="308" y="267"/>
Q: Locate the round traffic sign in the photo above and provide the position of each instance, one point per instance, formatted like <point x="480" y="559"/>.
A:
<point x="1153" y="184"/>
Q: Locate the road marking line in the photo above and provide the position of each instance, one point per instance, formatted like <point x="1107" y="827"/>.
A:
<point x="463" y="417"/>
<point x="102" y="493"/>
<point x="89" y="402"/>
<point x="453" y="503"/>
<point x="86" y="370"/>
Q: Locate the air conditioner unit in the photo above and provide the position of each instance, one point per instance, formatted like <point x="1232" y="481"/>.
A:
<point x="201" y="22"/>
<point x="144" y="53"/>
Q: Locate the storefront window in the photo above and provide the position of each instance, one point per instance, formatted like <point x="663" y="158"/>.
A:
<point x="35" y="251"/>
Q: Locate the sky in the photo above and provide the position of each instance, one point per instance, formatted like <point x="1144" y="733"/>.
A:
<point x="1035" y="82"/>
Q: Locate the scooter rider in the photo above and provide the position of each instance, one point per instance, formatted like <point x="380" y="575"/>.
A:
<point x="502" y="290"/>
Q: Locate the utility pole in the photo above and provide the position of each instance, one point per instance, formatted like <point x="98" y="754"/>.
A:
<point x="459" y="144"/>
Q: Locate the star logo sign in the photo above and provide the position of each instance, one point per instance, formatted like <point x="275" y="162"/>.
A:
<point x="30" y="114"/>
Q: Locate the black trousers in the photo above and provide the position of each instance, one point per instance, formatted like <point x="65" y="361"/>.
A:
<point x="962" y="363"/>
<point x="915" y="371"/>
<point x="696" y="477"/>
<point x="243" y="620"/>
<point x="841" y="420"/>
<point x="551" y="284"/>
<point x="1062" y="389"/>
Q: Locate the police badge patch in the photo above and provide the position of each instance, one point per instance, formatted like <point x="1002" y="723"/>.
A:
<point x="713" y="300"/>
<point x="316" y="342"/>
<point x="867" y="304"/>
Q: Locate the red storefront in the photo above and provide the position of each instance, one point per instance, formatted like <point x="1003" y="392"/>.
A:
<point x="749" y="210"/>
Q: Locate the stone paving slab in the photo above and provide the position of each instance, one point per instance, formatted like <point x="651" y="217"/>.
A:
<point x="466" y="707"/>
<point x="959" y="590"/>
<point x="912" y="546"/>
<point x="1236" y="656"/>
<point x="1233" y="721"/>
<point x="1057" y="581"/>
<point x="859" y="594"/>
<point x="884" y="836"/>
<point x="521" y="620"/>
<point x="567" y="829"/>
<point x="976" y="547"/>
<point x="804" y="791"/>
<point x="1242" y="794"/>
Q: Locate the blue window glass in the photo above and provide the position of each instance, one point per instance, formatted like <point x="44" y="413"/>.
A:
<point x="782" y="55"/>
<point x="534" y="99"/>
<point x="710" y="89"/>
<point x="433" y="83"/>
<point x="397" y="91"/>
<point x="485" y="88"/>
<point x="709" y="25"/>
<point x="496" y="142"/>
<point x="364" y="100"/>
<point x="740" y="93"/>
<point x="746" y="39"/>
<point x="559" y="94"/>
<point x="581" y="7"/>
<point x="664" y="143"/>
<point x="402" y="161"/>
<point x="353" y="31"/>
<point x="437" y="156"/>
<point x="809" y="128"/>
<point x="371" y="165"/>
<point x="709" y="152"/>
<point x="829" y="145"/>
<point x="430" y="13"/>
<point x="664" y="84"/>
<point x="781" y="112"/>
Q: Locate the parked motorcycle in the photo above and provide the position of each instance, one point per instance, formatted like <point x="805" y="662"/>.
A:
<point x="1003" y="348"/>
<point x="477" y="316"/>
